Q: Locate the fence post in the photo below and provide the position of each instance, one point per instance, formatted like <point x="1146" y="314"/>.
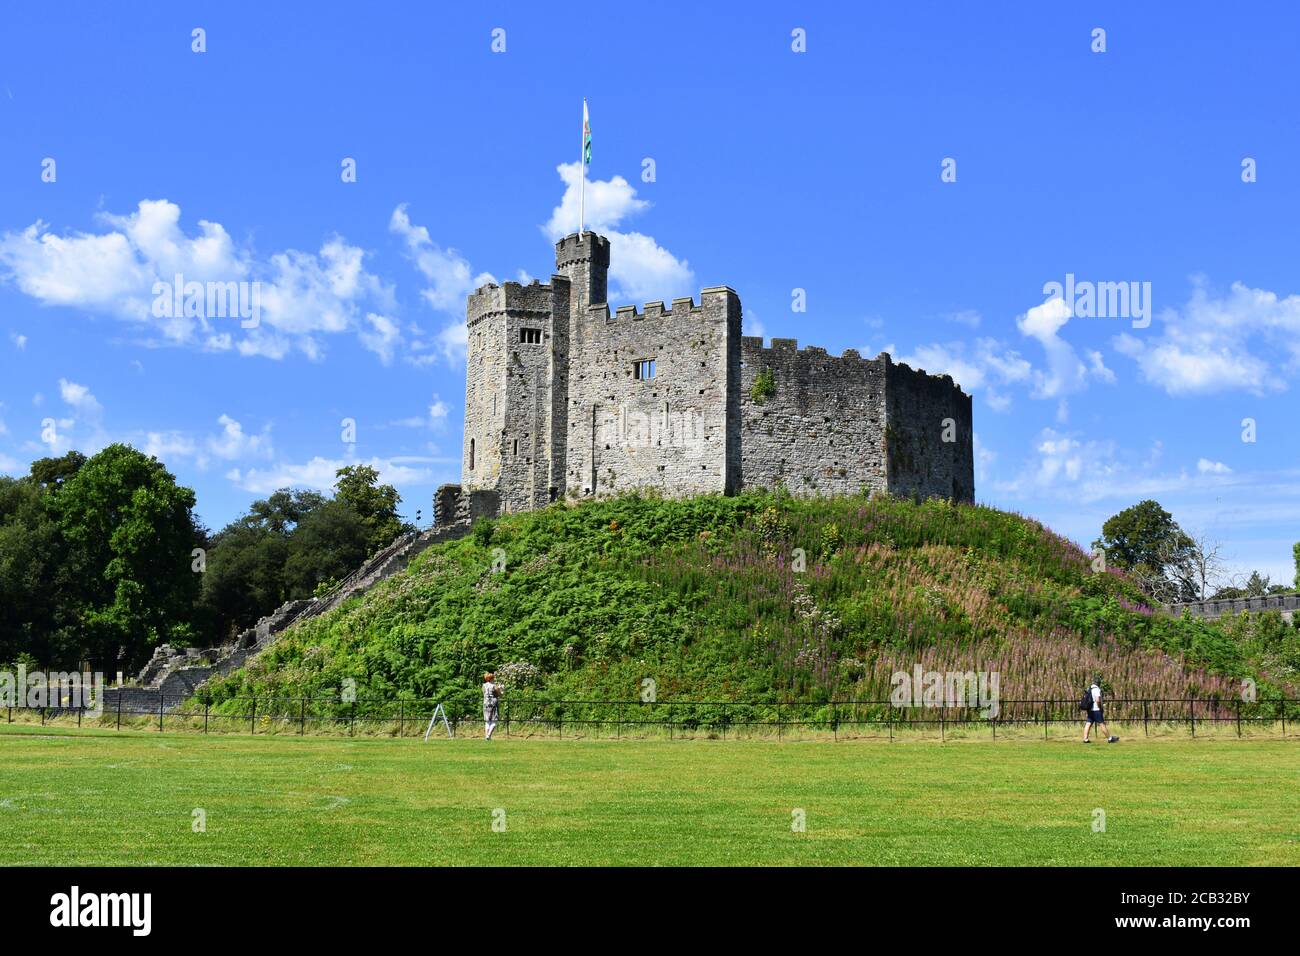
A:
<point x="1192" y="710"/>
<point x="1238" y="716"/>
<point x="889" y="716"/>
<point x="252" y="719"/>
<point x="401" y="716"/>
<point x="778" y="720"/>
<point x="207" y="703"/>
<point x="302" y="716"/>
<point x="1283" y="716"/>
<point x="943" y="728"/>
<point x="352" y="726"/>
<point x="119" y="708"/>
<point x="160" y="710"/>
<point x="1146" y="728"/>
<point x="1044" y="720"/>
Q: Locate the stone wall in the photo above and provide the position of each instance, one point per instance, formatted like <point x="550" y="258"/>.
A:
<point x="822" y="430"/>
<point x="1287" y="604"/>
<point x="669" y="432"/>
<point x="929" y="440"/>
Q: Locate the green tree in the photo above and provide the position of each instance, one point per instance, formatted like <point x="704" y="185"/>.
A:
<point x="34" y="580"/>
<point x="374" y="504"/>
<point x="1146" y="541"/>
<point x="327" y="546"/>
<point x="51" y="473"/>
<point x="130" y="533"/>
<point x="245" y="576"/>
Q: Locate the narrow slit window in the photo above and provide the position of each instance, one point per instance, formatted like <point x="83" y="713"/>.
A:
<point x="644" y="370"/>
<point x="530" y="336"/>
<point x="471" y="454"/>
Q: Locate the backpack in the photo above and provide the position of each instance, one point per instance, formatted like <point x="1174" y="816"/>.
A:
<point x="1085" y="704"/>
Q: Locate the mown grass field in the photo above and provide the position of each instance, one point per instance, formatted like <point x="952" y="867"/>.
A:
<point x="112" y="799"/>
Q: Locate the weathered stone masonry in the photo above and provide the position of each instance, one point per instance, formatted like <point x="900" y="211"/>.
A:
<point x="561" y="400"/>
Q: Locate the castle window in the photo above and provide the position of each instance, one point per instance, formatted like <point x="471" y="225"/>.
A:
<point x="471" y="454"/>
<point x="516" y="447"/>
<point x="530" y="336"/>
<point x="644" y="370"/>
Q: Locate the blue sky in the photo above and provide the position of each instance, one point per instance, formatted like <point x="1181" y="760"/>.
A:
<point x="774" y="170"/>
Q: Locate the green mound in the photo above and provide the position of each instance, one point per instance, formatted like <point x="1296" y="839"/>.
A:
<point x="761" y="597"/>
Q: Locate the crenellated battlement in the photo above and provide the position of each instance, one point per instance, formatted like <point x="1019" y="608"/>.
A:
<point x="588" y="247"/>
<point x="682" y="307"/>
<point x="535" y="299"/>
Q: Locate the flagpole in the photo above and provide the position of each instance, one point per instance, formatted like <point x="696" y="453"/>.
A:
<point x="582" y="169"/>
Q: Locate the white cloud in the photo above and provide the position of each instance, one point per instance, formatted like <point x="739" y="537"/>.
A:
<point x="233" y="443"/>
<point x="81" y="428"/>
<point x="10" y="466"/>
<point x="320" y="473"/>
<point x="450" y="278"/>
<point x="19" y="341"/>
<point x="383" y="338"/>
<point x="302" y="295"/>
<point x="435" y="418"/>
<point x="984" y="368"/>
<point x="1247" y="340"/>
<point x="1066" y="374"/>
<point x="80" y="398"/>
<point x="640" y="269"/>
<point x="1067" y="467"/>
<point x="167" y="447"/>
<point x="1205" y="466"/>
<point x="966" y="317"/>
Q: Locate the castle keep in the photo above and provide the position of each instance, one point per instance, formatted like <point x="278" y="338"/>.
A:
<point x="565" y="398"/>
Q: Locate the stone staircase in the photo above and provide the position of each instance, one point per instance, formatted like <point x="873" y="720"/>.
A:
<point x="173" y="675"/>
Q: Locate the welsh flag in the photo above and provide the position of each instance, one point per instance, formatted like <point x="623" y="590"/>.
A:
<point x="586" y="135"/>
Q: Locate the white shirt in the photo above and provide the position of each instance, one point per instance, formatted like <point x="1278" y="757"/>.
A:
<point x="1096" y="697"/>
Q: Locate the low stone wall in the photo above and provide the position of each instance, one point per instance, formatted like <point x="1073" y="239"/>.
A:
<point x="1288" y="604"/>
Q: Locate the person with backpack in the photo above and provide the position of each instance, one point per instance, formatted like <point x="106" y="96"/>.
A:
<point x="1094" y="713"/>
<point x="491" y="704"/>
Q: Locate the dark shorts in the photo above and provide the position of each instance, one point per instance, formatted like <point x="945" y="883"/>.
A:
<point x="1096" y="716"/>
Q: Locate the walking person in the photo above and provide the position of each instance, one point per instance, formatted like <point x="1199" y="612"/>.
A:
<point x="1096" y="714"/>
<point x="491" y="704"/>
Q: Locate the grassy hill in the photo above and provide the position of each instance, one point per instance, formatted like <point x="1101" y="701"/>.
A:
<point x="704" y="596"/>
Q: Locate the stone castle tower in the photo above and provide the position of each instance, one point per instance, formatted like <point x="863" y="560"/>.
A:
<point x="564" y="399"/>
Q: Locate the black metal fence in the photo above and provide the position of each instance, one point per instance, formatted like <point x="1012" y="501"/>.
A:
<point x="672" y="719"/>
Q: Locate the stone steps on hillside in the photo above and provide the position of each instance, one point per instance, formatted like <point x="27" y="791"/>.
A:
<point x="173" y="675"/>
